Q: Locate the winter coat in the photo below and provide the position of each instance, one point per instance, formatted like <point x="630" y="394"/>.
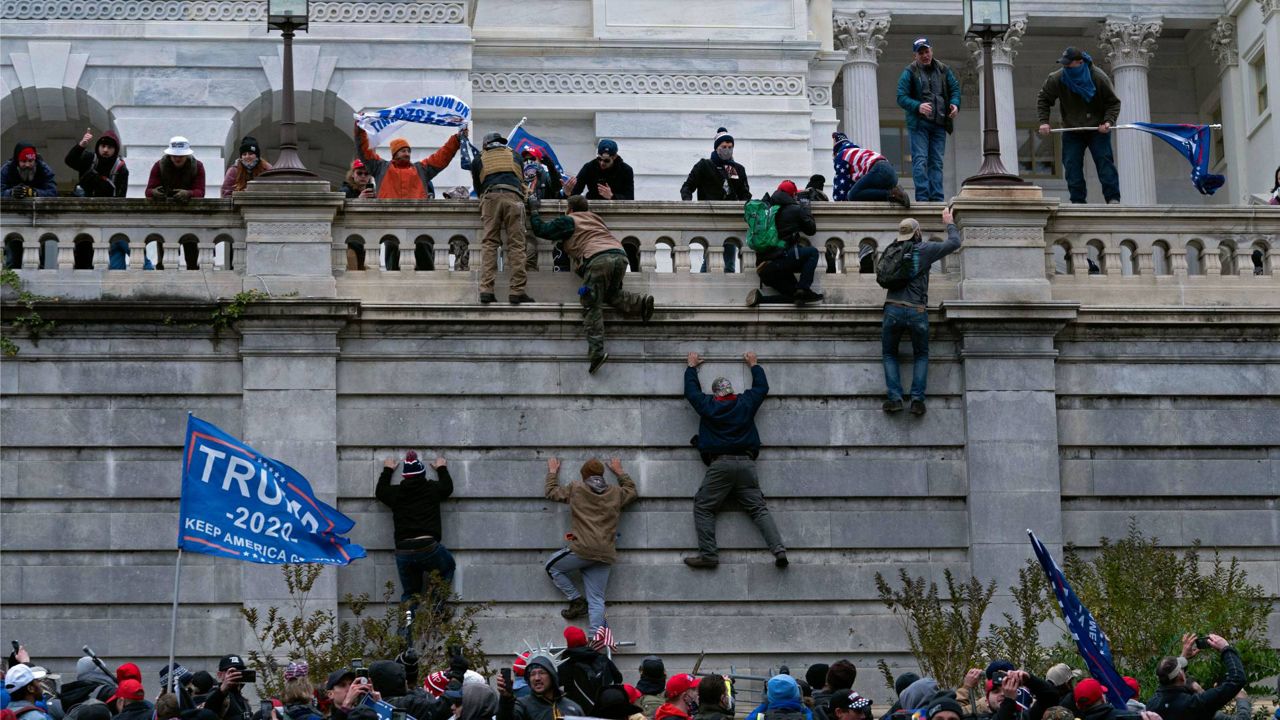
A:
<point x="1075" y="112"/>
<point x="228" y="706"/>
<point x="1179" y="702"/>
<point x="479" y="702"/>
<point x="388" y="678"/>
<point x="620" y="178"/>
<point x="911" y="92"/>
<point x="409" y="182"/>
<point x="708" y="179"/>
<point x="302" y="712"/>
<point x="667" y="711"/>
<point x="99" y="177"/>
<point x="42" y="182"/>
<point x="794" y="219"/>
<point x="415" y="503"/>
<point x="649" y="704"/>
<point x="919" y="693"/>
<point x="728" y="424"/>
<point x="594" y="524"/>
<point x="584" y="672"/>
<point x="92" y="684"/>
<point x="916" y="294"/>
<point x="238" y="176"/>
<point x="536" y="707"/>
<point x="164" y="174"/>
<point x="140" y="710"/>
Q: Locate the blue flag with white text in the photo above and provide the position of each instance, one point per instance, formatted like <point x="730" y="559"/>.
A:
<point x="521" y="139"/>
<point x="240" y="504"/>
<point x="1193" y="142"/>
<point x="1091" y="641"/>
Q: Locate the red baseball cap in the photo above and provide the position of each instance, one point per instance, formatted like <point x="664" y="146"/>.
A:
<point x="788" y="187"/>
<point x="680" y="684"/>
<point x="1088" y="692"/>
<point x="128" y="671"/>
<point x="1133" y="683"/>
<point x="633" y="694"/>
<point x="130" y="690"/>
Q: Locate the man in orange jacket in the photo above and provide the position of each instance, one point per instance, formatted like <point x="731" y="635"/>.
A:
<point x="401" y="178"/>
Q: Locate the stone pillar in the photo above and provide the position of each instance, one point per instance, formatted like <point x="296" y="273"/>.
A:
<point x="289" y="237"/>
<point x="1003" y="51"/>
<point x="1129" y="43"/>
<point x="861" y="37"/>
<point x="823" y="121"/>
<point x="820" y="24"/>
<point x="1261" y="177"/>
<point x="1223" y="45"/>
<point x="1003" y="255"/>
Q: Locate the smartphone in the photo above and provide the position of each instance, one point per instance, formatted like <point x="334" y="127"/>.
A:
<point x="1202" y="642"/>
<point x="267" y="709"/>
<point x="399" y="714"/>
<point x="506" y="679"/>
<point x="248" y="677"/>
<point x="17" y="645"/>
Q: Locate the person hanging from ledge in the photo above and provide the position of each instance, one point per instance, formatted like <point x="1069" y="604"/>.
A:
<point x="777" y="264"/>
<point x="248" y="167"/>
<point x="415" y="518"/>
<point x="718" y="177"/>
<point x="602" y="264"/>
<point x="401" y="178"/>
<point x="1085" y="98"/>
<point x="862" y="174"/>
<point x="605" y="177"/>
<point x="499" y="181"/>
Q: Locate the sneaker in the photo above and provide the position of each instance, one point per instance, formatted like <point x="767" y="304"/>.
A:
<point x="646" y="309"/>
<point x="898" y="197"/>
<point x="892" y="406"/>
<point x="486" y="298"/>
<point x="577" y="609"/>
<point x="780" y="559"/>
<point x="917" y="407"/>
<point x="597" y="361"/>
<point x="753" y="298"/>
<point x="805" y="296"/>
<point x="1113" y="202"/>
<point x="521" y="298"/>
<point x="702" y="563"/>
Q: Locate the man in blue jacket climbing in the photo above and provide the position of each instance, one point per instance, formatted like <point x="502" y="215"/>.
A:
<point x="729" y="443"/>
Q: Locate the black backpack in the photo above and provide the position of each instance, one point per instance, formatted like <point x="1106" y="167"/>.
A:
<point x="584" y="682"/>
<point x="898" y="265"/>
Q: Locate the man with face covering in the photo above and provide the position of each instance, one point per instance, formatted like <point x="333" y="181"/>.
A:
<point x="594" y="508"/>
<point x="729" y="443"/>
<point x="545" y="701"/>
<point x="718" y="177"/>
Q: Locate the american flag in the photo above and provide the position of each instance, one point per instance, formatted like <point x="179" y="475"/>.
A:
<point x="603" y="639"/>
<point x="850" y="164"/>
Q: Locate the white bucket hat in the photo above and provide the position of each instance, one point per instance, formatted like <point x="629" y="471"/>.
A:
<point x="179" y="146"/>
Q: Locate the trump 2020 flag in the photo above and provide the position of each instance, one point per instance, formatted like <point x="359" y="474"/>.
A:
<point x="521" y="139"/>
<point x="1090" y="640"/>
<point x="240" y="504"/>
<point x="431" y="110"/>
<point x="1193" y="142"/>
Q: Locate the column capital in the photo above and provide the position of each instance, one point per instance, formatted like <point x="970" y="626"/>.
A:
<point x="861" y="35"/>
<point x="1222" y="43"/>
<point x="1003" y="48"/>
<point x="1269" y="8"/>
<point x="1130" y="41"/>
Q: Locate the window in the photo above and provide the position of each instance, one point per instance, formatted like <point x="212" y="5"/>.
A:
<point x="1258" y="71"/>
<point x="1038" y="155"/>
<point x="896" y="146"/>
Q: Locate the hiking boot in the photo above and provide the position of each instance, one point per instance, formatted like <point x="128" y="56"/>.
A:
<point x="780" y="559"/>
<point x="917" y="407"/>
<point x="892" y="406"/>
<point x="702" y="563"/>
<point x="521" y="298"/>
<point x="898" y="197"/>
<point x="805" y="296"/>
<point x="577" y="609"/>
<point x="597" y="361"/>
<point x="646" y="309"/>
<point x="486" y="298"/>
<point x="753" y="298"/>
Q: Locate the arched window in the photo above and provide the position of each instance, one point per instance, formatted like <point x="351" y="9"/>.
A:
<point x="1227" y="257"/>
<point x="390" y="247"/>
<point x="1097" y="258"/>
<point x="424" y="253"/>
<point x="355" y="252"/>
<point x="1062" y="264"/>
<point x="1160" y="258"/>
<point x="1195" y="254"/>
<point x="1128" y="258"/>
<point x="1260" y="257"/>
<point x="665" y="255"/>
<point x="867" y="253"/>
<point x="459" y="253"/>
<point x="834" y="255"/>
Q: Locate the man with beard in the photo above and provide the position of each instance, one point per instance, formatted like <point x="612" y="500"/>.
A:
<point x="545" y="700"/>
<point x="178" y="175"/>
<point x="102" y="170"/>
<point x="26" y="174"/>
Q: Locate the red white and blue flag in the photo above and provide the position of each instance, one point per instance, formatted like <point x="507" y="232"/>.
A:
<point x="522" y="139"/>
<point x="1193" y="142"/>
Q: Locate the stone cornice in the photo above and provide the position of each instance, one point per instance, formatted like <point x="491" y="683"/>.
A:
<point x="556" y="83"/>
<point x="1130" y="41"/>
<point x="1222" y="43"/>
<point x="444" y="12"/>
<point x="861" y="35"/>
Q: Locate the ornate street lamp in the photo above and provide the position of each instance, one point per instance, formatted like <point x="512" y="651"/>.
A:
<point x="288" y="16"/>
<point x="987" y="19"/>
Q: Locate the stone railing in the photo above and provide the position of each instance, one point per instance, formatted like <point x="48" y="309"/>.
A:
<point x="416" y="252"/>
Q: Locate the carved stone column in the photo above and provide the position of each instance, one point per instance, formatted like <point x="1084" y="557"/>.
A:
<point x="861" y="36"/>
<point x="1003" y="51"/>
<point x="1129" y="43"/>
<point x="1271" y="39"/>
<point x="1222" y="43"/>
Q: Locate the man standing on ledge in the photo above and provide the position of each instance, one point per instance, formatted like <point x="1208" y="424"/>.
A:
<point x="499" y="180"/>
<point x="930" y="95"/>
<point x="1086" y="98"/>
<point x="729" y="443"/>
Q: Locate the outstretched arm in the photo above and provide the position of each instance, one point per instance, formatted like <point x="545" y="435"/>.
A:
<point x="554" y="490"/>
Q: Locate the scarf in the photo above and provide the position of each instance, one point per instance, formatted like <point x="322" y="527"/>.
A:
<point x="1079" y="80"/>
<point x="597" y="484"/>
<point x="722" y="155"/>
<point x="245" y="173"/>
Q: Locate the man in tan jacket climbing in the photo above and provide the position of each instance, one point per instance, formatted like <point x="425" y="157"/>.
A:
<point x="594" y="508"/>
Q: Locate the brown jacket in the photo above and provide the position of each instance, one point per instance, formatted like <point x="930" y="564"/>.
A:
<point x="973" y="701"/>
<point x="590" y="237"/>
<point x="594" y="518"/>
<point x="1105" y="106"/>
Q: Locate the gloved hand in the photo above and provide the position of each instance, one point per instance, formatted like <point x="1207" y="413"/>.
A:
<point x="182" y="195"/>
<point x="534" y="202"/>
<point x="23" y="191"/>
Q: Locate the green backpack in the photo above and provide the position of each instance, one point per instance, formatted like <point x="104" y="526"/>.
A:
<point x="762" y="231"/>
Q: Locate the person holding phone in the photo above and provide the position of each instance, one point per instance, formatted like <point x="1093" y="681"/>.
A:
<point x="1177" y="700"/>
<point x="227" y="701"/>
<point x="544" y="702"/>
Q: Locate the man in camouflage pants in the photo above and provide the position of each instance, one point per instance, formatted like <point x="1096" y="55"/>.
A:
<point x="602" y="263"/>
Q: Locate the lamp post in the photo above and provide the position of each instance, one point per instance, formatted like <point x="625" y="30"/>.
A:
<point x="986" y="19"/>
<point x="288" y="16"/>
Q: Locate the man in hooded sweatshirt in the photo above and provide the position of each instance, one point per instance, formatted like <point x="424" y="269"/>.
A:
<point x="249" y="166"/>
<point x="718" y="177"/>
<point x="1085" y="98"/>
<point x="545" y="700"/>
<point x="918" y="694"/>
<point x="777" y="268"/>
<point x="782" y="701"/>
<point x="415" y="515"/>
<point x="479" y="702"/>
<point x="92" y="684"/>
<point x="102" y="170"/>
<point x="595" y="507"/>
<point x="400" y="178"/>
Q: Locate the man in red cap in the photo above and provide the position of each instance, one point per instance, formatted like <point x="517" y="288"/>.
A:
<point x="681" y="693"/>
<point x="27" y="175"/>
<point x="585" y="672"/>
<point x="777" y="268"/>
<point x="1091" y="701"/>
<point x="130" y="701"/>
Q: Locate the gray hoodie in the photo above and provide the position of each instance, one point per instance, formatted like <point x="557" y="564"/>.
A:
<point x="918" y="693"/>
<point x="479" y="702"/>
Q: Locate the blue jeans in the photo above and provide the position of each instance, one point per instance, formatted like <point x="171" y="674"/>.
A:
<point x="1099" y="145"/>
<point x="897" y="320"/>
<point x="779" y="273"/>
<point x="928" y="143"/>
<point x="116" y="255"/>
<point x="414" y="565"/>
<point x="876" y="184"/>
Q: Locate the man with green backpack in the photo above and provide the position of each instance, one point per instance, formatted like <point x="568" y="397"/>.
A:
<point x="774" y="229"/>
<point x="903" y="270"/>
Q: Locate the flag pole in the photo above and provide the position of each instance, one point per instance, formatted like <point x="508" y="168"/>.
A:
<point x="1114" y="127"/>
<point x="516" y="127"/>
<point x="173" y="623"/>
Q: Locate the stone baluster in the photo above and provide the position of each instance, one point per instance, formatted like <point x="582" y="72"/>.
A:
<point x="101" y="245"/>
<point x="441" y="256"/>
<point x="1129" y="44"/>
<point x="408" y="260"/>
<point x="1003" y="50"/>
<point x="66" y="253"/>
<point x="1111" y="263"/>
<point x="681" y="259"/>
<point x="204" y="255"/>
<point x="1080" y="261"/>
<point x="31" y="253"/>
<point x="715" y="258"/>
<point x="172" y="257"/>
<point x="474" y="255"/>
<point x="862" y="37"/>
<point x="1210" y="260"/>
<point x="545" y="256"/>
<point x="1178" y="261"/>
<point x="746" y="259"/>
<point x="1146" y="265"/>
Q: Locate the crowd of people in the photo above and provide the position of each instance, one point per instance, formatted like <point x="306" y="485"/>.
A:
<point x="580" y="679"/>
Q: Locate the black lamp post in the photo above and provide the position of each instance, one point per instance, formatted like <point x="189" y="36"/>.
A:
<point x="987" y="19"/>
<point x="288" y="16"/>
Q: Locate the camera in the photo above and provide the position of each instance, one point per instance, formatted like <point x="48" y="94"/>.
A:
<point x="998" y="678"/>
<point x="358" y="668"/>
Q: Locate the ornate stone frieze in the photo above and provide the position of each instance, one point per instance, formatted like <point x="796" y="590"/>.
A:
<point x="1130" y="41"/>
<point x="341" y="11"/>
<point x="819" y="95"/>
<point x="554" y="83"/>
<point x="1222" y="42"/>
<point x="861" y="35"/>
<point x="1004" y="48"/>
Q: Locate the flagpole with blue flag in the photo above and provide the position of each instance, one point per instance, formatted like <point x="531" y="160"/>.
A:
<point x="1190" y="140"/>
<point x="1091" y="641"/>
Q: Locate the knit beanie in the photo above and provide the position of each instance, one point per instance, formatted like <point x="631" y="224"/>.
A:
<point x="782" y="688"/>
<point x="722" y="136"/>
<point x="436" y="683"/>
<point x="397" y="144"/>
<point x="817" y="182"/>
<point x="575" y="636"/>
<point x="413" y="466"/>
<point x="838" y="138"/>
<point x="250" y="144"/>
<point x="592" y="468"/>
<point x="816" y="675"/>
<point x="518" y="666"/>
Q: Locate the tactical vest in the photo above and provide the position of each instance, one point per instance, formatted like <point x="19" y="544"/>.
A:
<point x="498" y="160"/>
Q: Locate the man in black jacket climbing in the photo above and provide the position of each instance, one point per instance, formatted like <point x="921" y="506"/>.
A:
<point x="415" y="514"/>
<point x="778" y="268"/>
